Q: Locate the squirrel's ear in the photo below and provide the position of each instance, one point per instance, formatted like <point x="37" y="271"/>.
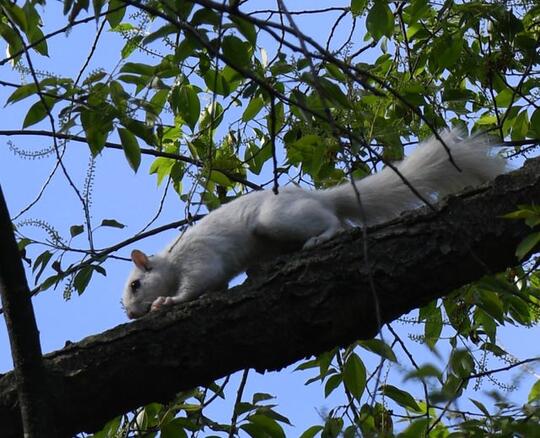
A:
<point x="140" y="259"/>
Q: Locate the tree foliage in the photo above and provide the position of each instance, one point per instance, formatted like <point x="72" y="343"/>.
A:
<point x="235" y="96"/>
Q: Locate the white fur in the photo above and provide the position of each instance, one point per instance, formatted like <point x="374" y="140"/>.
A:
<point x="260" y="225"/>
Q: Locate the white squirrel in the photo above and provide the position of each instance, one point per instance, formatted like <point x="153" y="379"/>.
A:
<point x="261" y="224"/>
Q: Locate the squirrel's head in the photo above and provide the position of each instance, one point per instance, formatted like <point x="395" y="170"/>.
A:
<point x="152" y="277"/>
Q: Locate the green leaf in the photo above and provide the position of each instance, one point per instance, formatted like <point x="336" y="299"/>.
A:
<point x="186" y="48"/>
<point x="173" y="429"/>
<point x="433" y="327"/>
<point x="534" y="393"/>
<point x="253" y="108"/>
<point x="504" y="98"/>
<point x="246" y="28"/>
<point x="16" y="14"/>
<point x="379" y="347"/>
<point x="205" y="16"/>
<point x="112" y="223"/>
<point x="308" y="364"/>
<point x="118" y="95"/>
<point x="94" y="77"/>
<point x="450" y="50"/>
<point x="75" y="230"/>
<point x="34" y="35"/>
<point x="535" y="122"/>
<point x="261" y="396"/>
<point x="380" y="20"/>
<point x="401" y="397"/>
<point x="36" y="113"/>
<point x="22" y="92"/>
<point x="161" y="33"/>
<point x="334" y="93"/>
<point x="131" y="148"/>
<point x="424" y="371"/>
<point x="417" y="9"/>
<point x="335" y="72"/>
<point x="41" y="262"/>
<point x="332" y="383"/>
<point x="262" y="424"/>
<point x="83" y="278"/>
<point x="13" y="40"/>
<point x="332" y="427"/>
<point x="155" y="108"/>
<point x="216" y="82"/>
<point x="481" y="407"/>
<point x="185" y="102"/>
<point x="138" y="68"/>
<point x="487" y="119"/>
<point x="141" y="130"/>
<point x="131" y="45"/>
<point x="100" y="270"/>
<point x="110" y="429"/>
<point x="520" y="126"/>
<point x="354" y="375"/>
<point x="98" y="5"/>
<point x="358" y="6"/>
<point x="527" y="245"/>
<point x="416" y="429"/>
<point x="243" y="407"/>
<point x="115" y="15"/>
<point x="162" y="167"/>
<point x="96" y="127"/>
<point x="491" y="304"/>
<point x="311" y="432"/>
<point x="50" y="281"/>
<point x="461" y="363"/>
<point x="237" y="51"/>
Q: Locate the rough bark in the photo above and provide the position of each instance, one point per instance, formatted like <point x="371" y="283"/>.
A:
<point x="301" y="305"/>
<point x="30" y="376"/>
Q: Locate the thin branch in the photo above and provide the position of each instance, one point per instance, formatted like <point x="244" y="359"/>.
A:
<point x="239" y="394"/>
<point x="111" y="145"/>
<point x="506" y="368"/>
<point x="64" y="29"/>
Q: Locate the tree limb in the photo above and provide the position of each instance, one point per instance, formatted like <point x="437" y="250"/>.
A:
<point x="301" y="305"/>
<point x="30" y="376"/>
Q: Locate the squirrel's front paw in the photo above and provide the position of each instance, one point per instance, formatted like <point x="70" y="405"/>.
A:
<point x="161" y="302"/>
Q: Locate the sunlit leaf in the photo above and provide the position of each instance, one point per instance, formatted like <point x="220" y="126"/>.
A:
<point x="534" y="393"/>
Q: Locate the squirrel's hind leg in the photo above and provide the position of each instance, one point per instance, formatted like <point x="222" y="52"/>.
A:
<point x="306" y="221"/>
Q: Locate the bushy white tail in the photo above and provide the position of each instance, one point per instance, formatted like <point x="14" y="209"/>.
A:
<point x="428" y="169"/>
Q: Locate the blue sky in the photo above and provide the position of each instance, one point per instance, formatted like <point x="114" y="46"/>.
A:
<point x="133" y="199"/>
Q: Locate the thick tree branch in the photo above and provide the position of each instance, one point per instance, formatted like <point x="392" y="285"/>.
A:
<point x="30" y="375"/>
<point x="302" y="305"/>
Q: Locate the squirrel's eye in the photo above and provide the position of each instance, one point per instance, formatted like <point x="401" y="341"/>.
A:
<point x="135" y="285"/>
